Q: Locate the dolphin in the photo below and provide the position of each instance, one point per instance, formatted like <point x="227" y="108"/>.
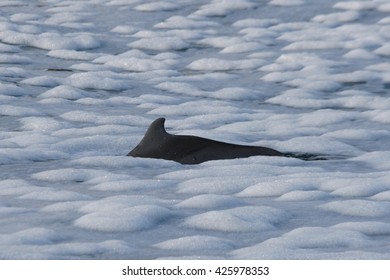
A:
<point x="188" y="149"/>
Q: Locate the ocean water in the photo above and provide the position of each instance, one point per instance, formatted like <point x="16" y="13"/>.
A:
<point x="80" y="81"/>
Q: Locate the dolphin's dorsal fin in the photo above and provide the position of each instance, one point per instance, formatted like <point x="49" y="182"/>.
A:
<point x="156" y="129"/>
<point x="153" y="141"/>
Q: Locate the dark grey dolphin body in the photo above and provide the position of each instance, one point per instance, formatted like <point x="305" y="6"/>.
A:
<point x="187" y="149"/>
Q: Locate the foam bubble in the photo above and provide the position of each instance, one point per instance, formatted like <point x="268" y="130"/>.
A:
<point x="382" y="196"/>
<point x="19" y="111"/>
<point x="360" y="54"/>
<point x="99" y="80"/>
<point x="369" y="228"/>
<point x="162" y="43"/>
<point x="217" y="64"/>
<point x="12" y="90"/>
<point x="318" y="145"/>
<point x="301" y="242"/>
<point x="355" y="5"/>
<point x="68" y="174"/>
<point x="286" y="186"/>
<point x="124" y="29"/>
<point x="181" y="22"/>
<point x="9" y="49"/>
<point x="72" y="54"/>
<point x="43" y="81"/>
<point x="196" y="243"/>
<point x="64" y="91"/>
<point x="132" y="184"/>
<point x="157" y="7"/>
<point x="359" y="208"/>
<point x="135" y="218"/>
<point x="303" y="196"/>
<point x="16" y="187"/>
<point x="286" y="2"/>
<point x="64" y="206"/>
<point x="50" y="40"/>
<point x="42" y="124"/>
<point x="28" y="154"/>
<point x="243" y="47"/>
<point x="53" y="195"/>
<point x="348" y="16"/>
<point x="33" y="236"/>
<point x="223" y="7"/>
<point x="240" y="219"/>
<point x="14" y="59"/>
<point x="374" y="159"/>
<point x="384" y="7"/>
<point x="211" y="185"/>
<point x="383" y="50"/>
<point x="25" y="17"/>
<point x="210" y="201"/>
<point x="138" y="62"/>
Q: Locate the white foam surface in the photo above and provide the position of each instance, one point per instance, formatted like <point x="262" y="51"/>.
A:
<point x="80" y="81"/>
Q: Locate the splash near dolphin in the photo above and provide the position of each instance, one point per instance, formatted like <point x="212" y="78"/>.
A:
<point x="187" y="149"/>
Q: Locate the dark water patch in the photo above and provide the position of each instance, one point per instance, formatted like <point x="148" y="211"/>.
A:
<point x="58" y="70"/>
<point x="313" y="157"/>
